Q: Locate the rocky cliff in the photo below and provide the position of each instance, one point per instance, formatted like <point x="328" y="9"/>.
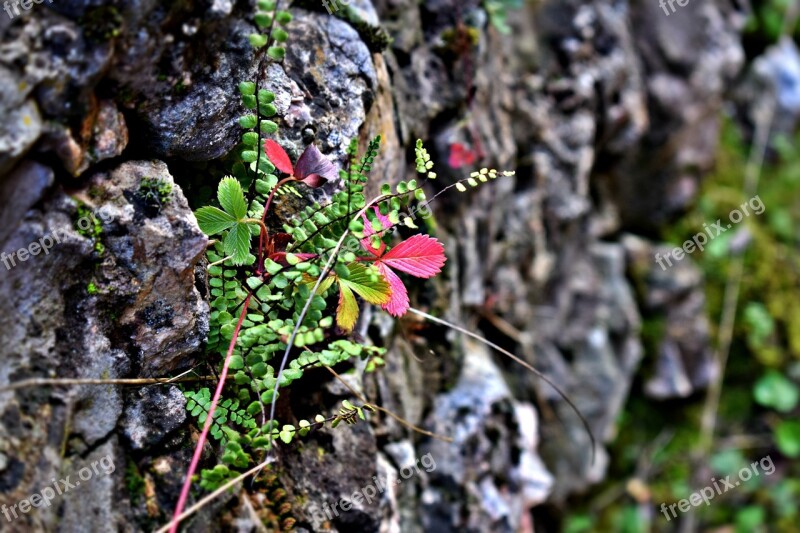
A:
<point x="609" y="111"/>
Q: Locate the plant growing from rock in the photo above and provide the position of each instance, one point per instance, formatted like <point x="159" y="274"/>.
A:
<point x="292" y="297"/>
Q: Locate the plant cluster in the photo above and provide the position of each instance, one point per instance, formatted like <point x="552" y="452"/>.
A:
<point x="284" y="302"/>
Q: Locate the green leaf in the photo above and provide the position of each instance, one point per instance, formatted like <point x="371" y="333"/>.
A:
<point x="213" y="220"/>
<point x="268" y="396"/>
<point x="265" y="96"/>
<point x="260" y="370"/>
<point x="280" y="35"/>
<point x="250" y="138"/>
<point x="776" y="391"/>
<point x="268" y="110"/>
<point x="248" y="121"/>
<point x="247" y="88"/>
<point x="231" y="197"/>
<point x="292" y="374"/>
<point x="277" y="53"/>
<point x="787" y="437"/>
<point x="283" y="17"/>
<point x="249" y="156"/>
<point x="264" y="186"/>
<point x="269" y="127"/>
<point x="263" y="20"/>
<point x="237" y="243"/>
<point x="368" y="284"/>
<point x="287" y="433"/>
<point x="257" y="40"/>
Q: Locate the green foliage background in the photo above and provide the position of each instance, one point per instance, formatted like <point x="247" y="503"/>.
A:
<point x="758" y="414"/>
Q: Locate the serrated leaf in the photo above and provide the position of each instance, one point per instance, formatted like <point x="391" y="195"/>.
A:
<point x="368" y="284"/>
<point x="269" y="127"/>
<point x="268" y="110"/>
<point x="231" y="197"/>
<point x="250" y="138"/>
<point x="419" y="255"/>
<point x="213" y="220"/>
<point x="237" y="243"/>
<point x="247" y="88"/>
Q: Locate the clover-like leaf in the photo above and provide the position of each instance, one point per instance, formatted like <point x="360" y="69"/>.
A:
<point x="231" y="197"/>
<point x="213" y="220"/>
<point x="237" y="243"/>
<point x="367" y="283"/>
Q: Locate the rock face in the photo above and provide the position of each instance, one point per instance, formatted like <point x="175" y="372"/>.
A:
<point x="608" y="111"/>
<point x="87" y="305"/>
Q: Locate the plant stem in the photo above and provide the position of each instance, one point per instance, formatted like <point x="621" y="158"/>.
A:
<point x="400" y="419"/>
<point x="518" y="361"/>
<point x="303" y="313"/>
<point x="262" y="240"/>
<point x="47" y="382"/>
<point x="198" y="451"/>
<point x="211" y="497"/>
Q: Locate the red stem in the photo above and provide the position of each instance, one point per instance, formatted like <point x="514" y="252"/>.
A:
<point x="262" y="240"/>
<point x="198" y="451"/>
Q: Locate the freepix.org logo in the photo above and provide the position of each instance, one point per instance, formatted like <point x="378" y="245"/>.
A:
<point x="45" y="497"/>
<point x="12" y="7"/>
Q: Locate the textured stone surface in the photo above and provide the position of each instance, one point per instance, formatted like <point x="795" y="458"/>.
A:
<point x="87" y="309"/>
<point x="607" y="109"/>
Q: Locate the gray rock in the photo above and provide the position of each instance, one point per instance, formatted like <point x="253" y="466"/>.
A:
<point x="18" y="131"/>
<point x="490" y="447"/>
<point x="673" y="297"/>
<point x="19" y="192"/>
<point x="86" y="309"/>
<point x="153" y="413"/>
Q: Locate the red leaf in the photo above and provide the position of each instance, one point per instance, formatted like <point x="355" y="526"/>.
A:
<point x="280" y="241"/>
<point x="419" y="255"/>
<point x="398" y="305"/>
<point x="278" y="156"/>
<point x="312" y="166"/>
<point x="460" y="156"/>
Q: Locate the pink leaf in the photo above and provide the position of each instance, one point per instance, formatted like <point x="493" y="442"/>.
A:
<point x="278" y="156"/>
<point x="368" y="231"/>
<point x="311" y="163"/>
<point x="314" y="181"/>
<point x="419" y="255"/>
<point x="398" y="305"/>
